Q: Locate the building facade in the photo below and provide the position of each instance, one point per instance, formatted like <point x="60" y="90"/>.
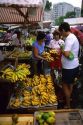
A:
<point x="61" y="9"/>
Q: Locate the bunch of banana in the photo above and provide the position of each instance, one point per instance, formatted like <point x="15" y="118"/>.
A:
<point x="37" y="90"/>
<point x="23" y="66"/>
<point x="44" y="97"/>
<point x="52" y="98"/>
<point x="35" y="100"/>
<point x="53" y="51"/>
<point x="47" y="56"/>
<point x="26" y="93"/>
<point x="9" y="74"/>
<point x="50" y="87"/>
<point x="19" y="74"/>
<point x="34" y="90"/>
<point x="35" y="82"/>
<point x="22" y="74"/>
<point x="41" y="88"/>
<point x="26" y="101"/>
<point x="43" y="80"/>
<point x="15" y="102"/>
<point x="28" y="82"/>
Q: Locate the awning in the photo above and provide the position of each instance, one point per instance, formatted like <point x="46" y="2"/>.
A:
<point x="20" y="11"/>
<point x="21" y="3"/>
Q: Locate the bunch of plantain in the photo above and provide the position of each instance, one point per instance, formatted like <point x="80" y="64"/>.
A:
<point x="18" y="74"/>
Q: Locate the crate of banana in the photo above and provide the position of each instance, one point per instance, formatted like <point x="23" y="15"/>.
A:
<point x="39" y="92"/>
<point x="15" y="75"/>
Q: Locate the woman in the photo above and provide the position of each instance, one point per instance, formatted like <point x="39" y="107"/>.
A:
<point x="55" y="44"/>
<point x="38" y="48"/>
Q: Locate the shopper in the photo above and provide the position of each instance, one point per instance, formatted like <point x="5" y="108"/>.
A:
<point x="38" y="48"/>
<point x="55" y="44"/>
<point x="70" y="67"/>
<point x="48" y="38"/>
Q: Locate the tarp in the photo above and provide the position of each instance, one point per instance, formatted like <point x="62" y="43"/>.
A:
<point x="74" y="21"/>
<point x="20" y="11"/>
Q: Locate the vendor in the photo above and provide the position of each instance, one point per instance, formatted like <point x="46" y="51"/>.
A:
<point x="38" y="48"/>
<point x="17" y="40"/>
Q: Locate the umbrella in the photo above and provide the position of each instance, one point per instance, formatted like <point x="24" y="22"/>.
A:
<point x="78" y="34"/>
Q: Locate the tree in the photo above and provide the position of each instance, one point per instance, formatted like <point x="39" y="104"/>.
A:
<point x="48" y="5"/>
<point x="70" y="14"/>
<point x="59" y="20"/>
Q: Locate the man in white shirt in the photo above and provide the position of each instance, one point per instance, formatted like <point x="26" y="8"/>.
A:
<point x="70" y="68"/>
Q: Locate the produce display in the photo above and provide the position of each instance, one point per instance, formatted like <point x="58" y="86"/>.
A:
<point x="45" y="118"/>
<point x="37" y="91"/>
<point x="15" y="74"/>
<point x="21" y="54"/>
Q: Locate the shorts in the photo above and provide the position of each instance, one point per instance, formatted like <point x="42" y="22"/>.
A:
<point x="69" y="75"/>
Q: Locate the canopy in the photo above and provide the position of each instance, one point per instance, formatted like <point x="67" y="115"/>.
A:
<point x="20" y="11"/>
<point x="21" y="3"/>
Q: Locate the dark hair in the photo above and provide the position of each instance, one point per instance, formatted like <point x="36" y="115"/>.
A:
<point x="56" y="32"/>
<point x="40" y="35"/>
<point x="64" y="26"/>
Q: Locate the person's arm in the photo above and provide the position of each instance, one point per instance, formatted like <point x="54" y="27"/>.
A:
<point x="66" y="53"/>
<point x="35" y="51"/>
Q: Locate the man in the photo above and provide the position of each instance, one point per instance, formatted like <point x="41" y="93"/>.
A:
<point x="70" y="68"/>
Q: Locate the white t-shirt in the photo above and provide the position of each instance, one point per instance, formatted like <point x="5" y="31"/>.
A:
<point x="71" y="44"/>
<point x="56" y="44"/>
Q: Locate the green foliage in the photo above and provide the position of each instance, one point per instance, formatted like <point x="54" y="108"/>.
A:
<point x="59" y="20"/>
<point x="70" y="14"/>
<point x="48" y="6"/>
